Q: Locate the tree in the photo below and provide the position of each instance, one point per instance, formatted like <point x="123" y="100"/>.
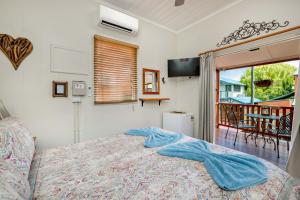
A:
<point x="280" y="73"/>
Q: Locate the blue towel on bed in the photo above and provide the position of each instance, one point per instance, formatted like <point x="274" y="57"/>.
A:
<point x="156" y="137"/>
<point x="229" y="171"/>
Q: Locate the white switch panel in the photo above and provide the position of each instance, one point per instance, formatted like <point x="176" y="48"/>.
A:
<point x="78" y="88"/>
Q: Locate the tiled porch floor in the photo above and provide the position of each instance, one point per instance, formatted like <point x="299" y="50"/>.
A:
<point x="266" y="153"/>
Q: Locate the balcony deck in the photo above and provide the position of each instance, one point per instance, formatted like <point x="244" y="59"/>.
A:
<point x="266" y="153"/>
<point x="243" y="109"/>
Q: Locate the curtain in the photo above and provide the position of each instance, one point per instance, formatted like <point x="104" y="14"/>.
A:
<point x="293" y="166"/>
<point x="3" y="112"/>
<point x="207" y="87"/>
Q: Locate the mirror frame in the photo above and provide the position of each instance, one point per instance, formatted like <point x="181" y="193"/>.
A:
<point x="158" y="80"/>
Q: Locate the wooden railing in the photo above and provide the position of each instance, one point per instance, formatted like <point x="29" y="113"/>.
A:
<point x="243" y="109"/>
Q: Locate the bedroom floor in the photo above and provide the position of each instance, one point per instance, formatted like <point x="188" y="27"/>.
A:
<point x="268" y="153"/>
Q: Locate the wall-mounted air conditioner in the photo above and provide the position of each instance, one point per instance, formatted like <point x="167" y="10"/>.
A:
<point x="116" y="20"/>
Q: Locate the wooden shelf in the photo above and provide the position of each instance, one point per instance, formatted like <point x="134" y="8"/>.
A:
<point x="153" y="99"/>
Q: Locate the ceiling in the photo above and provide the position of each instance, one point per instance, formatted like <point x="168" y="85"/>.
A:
<point x="272" y="53"/>
<point x="164" y="13"/>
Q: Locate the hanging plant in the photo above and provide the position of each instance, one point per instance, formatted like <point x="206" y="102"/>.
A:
<point x="263" y="83"/>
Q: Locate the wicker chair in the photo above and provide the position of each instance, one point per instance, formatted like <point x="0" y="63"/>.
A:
<point x="283" y="131"/>
<point x="235" y="122"/>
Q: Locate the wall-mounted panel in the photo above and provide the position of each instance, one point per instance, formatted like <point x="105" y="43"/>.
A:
<point x="68" y="60"/>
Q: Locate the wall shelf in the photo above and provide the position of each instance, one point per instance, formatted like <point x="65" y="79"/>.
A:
<point x="153" y="99"/>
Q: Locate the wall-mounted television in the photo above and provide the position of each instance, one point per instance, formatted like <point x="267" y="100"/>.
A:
<point x="184" y="67"/>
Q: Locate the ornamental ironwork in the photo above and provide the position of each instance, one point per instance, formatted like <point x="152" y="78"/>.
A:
<point x="250" y="29"/>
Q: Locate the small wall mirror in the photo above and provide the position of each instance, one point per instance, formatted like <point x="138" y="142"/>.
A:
<point x="151" y="81"/>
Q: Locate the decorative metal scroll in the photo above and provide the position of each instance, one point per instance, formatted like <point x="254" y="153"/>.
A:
<point x="250" y="29"/>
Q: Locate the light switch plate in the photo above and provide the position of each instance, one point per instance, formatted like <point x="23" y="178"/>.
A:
<point x="78" y="88"/>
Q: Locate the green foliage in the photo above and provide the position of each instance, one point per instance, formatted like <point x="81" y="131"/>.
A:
<point x="280" y="73"/>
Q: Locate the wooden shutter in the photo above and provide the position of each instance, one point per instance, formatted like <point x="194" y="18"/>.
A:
<point x="115" y="71"/>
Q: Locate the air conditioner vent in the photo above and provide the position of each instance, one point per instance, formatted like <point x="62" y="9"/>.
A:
<point x="255" y="49"/>
<point x="116" y="20"/>
<point x="116" y="26"/>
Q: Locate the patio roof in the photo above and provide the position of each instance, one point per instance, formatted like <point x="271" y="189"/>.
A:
<point x="242" y="100"/>
<point x="286" y="96"/>
<point x="227" y="81"/>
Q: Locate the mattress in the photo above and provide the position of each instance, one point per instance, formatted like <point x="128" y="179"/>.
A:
<point x="122" y="168"/>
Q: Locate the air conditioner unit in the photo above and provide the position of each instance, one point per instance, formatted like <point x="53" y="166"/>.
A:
<point x="116" y="20"/>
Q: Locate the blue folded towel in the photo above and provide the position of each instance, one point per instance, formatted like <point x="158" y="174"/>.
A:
<point x="229" y="171"/>
<point x="156" y="137"/>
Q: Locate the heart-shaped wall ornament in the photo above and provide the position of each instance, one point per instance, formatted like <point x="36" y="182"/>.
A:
<point x="16" y="50"/>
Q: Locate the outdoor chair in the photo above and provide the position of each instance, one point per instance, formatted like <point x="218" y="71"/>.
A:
<point x="282" y="131"/>
<point x="239" y="124"/>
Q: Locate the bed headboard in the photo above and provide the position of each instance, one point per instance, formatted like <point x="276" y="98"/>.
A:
<point x="3" y="111"/>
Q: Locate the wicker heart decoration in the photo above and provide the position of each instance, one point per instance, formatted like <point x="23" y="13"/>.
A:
<point x="16" y="50"/>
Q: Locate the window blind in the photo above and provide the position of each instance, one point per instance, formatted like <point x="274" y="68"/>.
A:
<point x="115" y="71"/>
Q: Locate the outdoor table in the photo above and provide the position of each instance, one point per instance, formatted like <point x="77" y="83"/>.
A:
<point x="264" y="118"/>
<point x="260" y="116"/>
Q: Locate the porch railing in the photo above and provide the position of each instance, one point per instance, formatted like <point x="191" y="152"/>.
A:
<point x="243" y="109"/>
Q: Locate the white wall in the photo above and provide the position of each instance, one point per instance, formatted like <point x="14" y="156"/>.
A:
<point x="204" y="36"/>
<point x="27" y="91"/>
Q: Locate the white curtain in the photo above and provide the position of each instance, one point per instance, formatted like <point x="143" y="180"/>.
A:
<point x="293" y="166"/>
<point x="3" y="112"/>
<point x="207" y="87"/>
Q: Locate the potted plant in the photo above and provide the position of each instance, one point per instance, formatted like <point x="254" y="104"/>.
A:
<point x="263" y="83"/>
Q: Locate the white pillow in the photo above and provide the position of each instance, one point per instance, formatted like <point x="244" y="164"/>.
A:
<point x="16" y="144"/>
<point x="13" y="184"/>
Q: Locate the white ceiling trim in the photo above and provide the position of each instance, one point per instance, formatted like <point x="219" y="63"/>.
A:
<point x="210" y="16"/>
<point x="157" y="24"/>
<point x="103" y="2"/>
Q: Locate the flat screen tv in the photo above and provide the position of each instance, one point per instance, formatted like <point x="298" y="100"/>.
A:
<point x="184" y="67"/>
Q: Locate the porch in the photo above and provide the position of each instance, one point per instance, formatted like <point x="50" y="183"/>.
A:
<point x="266" y="153"/>
<point x="242" y="111"/>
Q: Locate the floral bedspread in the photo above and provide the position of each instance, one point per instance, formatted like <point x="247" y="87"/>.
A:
<point x="121" y="168"/>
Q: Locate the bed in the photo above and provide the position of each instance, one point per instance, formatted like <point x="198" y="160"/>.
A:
<point x="121" y="167"/>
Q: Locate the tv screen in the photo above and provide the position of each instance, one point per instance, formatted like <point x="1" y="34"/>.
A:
<point x="183" y="67"/>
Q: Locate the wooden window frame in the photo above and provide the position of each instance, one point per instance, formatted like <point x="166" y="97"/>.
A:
<point x="96" y="89"/>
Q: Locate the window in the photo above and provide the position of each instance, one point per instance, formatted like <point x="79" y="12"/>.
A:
<point x="237" y="88"/>
<point x="228" y="88"/>
<point x="115" y="71"/>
